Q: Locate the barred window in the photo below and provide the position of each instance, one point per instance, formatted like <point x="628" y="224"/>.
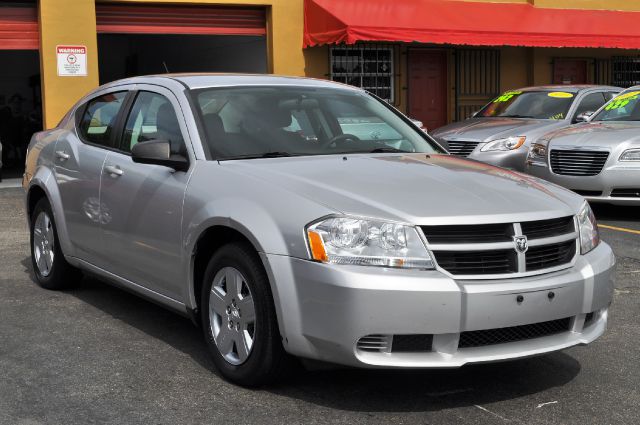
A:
<point x="367" y="66"/>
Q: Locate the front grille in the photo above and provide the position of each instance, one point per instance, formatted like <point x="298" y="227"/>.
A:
<point x="546" y="228"/>
<point x="577" y="162"/>
<point x="418" y="343"/>
<point x="625" y="193"/>
<point x="374" y="343"/>
<point x="461" y="148"/>
<point x="588" y="192"/>
<point x="469" y="233"/>
<point x="478" y="262"/>
<point x="548" y="256"/>
<point x="486" y="337"/>
<point x="461" y="249"/>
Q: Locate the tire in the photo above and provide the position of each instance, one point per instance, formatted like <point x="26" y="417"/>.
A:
<point x="263" y="360"/>
<point x="49" y="265"/>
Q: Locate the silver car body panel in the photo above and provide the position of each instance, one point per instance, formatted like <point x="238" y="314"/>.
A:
<point x="482" y="130"/>
<point x="151" y="219"/>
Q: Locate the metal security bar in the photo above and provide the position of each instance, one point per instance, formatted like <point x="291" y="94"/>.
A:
<point x="477" y="79"/>
<point x="369" y="66"/>
<point x="622" y="71"/>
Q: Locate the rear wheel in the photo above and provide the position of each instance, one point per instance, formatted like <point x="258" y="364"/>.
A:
<point x="49" y="266"/>
<point x="238" y="317"/>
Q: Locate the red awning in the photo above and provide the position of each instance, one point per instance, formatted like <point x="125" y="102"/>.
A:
<point x="470" y="23"/>
<point x="19" y="28"/>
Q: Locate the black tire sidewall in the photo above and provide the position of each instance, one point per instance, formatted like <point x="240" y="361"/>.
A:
<point x="267" y="348"/>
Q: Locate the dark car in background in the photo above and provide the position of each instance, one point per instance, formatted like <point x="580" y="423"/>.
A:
<point x="502" y="132"/>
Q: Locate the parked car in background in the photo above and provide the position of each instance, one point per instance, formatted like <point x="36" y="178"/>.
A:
<point x="502" y="131"/>
<point x="599" y="159"/>
<point x="196" y="192"/>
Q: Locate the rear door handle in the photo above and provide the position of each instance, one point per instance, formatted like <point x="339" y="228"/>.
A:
<point x="62" y="155"/>
<point x="113" y="170"/>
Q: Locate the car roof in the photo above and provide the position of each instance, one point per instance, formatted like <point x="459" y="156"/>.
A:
<point x="205" y="80"/>
<point x="572" y="88"/>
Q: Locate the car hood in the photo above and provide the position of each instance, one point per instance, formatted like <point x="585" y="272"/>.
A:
<point x="596" y="134"/>
<point x="413" y="188"/>
<point x="487" y="129"/>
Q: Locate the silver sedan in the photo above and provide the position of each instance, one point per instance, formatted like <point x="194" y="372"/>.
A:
<point x="246" y="204"/>
<point x="599" y="159"/>
<point x="502" y="132"/>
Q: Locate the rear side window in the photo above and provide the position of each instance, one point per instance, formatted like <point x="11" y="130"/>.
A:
<point x="99" y="118"/>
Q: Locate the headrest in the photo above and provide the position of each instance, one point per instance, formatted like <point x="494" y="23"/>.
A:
<point x="213" y="125"/>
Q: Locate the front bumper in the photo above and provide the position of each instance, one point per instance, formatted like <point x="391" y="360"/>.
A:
<point x="325" y="309"/>
<point x="612" y="177"/>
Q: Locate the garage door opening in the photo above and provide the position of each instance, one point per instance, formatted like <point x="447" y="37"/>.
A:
<point x="128" y="55"/>
<point x="20" y="94"/>
<point x="141" y="40"/>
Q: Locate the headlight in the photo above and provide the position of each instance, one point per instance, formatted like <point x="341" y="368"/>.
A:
<point x="349" y="240"/>
<point x="538" y="151"/>
<point x="507" y="144"/>
<point x="589" y="235"/>
<point x="630" y="155"/>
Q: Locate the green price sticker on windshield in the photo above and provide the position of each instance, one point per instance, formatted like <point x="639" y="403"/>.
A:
<point x="507" y="96"/>
<point x="622" y="100"/>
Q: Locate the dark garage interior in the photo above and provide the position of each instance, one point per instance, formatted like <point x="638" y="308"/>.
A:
<point x="125" y="55"/>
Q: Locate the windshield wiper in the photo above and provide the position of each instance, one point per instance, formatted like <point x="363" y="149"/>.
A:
<point x="387" y="149"/>
<point x="274" y="154"/>
<point x="514" y="116"/>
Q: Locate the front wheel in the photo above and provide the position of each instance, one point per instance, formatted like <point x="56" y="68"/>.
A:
<point x="238" y="318"/>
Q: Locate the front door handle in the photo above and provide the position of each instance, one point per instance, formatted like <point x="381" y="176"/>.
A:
<point x="113" y="170"/>
<point x="62" y="155"/>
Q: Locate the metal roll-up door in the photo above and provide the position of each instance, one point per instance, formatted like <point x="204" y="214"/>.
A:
<point x="19" y="28"/>
<point x="195" y="20"/>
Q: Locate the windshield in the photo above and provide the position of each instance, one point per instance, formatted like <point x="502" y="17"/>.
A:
<point x="254" y="122"/>
<point x="529" y="104"/>
<point x="625" y="107"/>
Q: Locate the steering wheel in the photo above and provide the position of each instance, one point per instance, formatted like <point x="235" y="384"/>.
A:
<point x="340" y="138"/>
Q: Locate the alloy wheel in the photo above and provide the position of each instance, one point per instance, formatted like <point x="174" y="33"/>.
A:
<point x="232" y="315"/>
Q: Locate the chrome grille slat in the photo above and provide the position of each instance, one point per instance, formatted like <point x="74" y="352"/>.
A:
<point x="577" y="163"/>
<point x="461" y="148"/>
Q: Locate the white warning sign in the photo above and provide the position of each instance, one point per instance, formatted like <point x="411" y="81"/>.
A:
<point x="72" y="61"/>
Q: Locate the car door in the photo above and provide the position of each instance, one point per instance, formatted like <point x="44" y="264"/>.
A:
<point x="142" y="236"/>
<point x="79" y="157"/>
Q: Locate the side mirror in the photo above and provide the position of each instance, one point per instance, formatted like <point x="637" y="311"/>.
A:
<point x="584" y="117"/>
<point x="158" y="152"/>
<point x="419" y="123"/>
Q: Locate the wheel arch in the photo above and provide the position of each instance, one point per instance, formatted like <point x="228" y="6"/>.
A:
<point x="212" y="237"/>
<point x="43" y="185"/>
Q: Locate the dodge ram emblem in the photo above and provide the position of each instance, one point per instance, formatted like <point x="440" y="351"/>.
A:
<point x="521" y="244"/>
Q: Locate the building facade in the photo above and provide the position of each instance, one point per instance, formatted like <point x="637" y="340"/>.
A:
<point x="437" y="76"/>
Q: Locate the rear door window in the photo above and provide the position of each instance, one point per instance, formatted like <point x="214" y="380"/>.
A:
<point x="99" y="118"/>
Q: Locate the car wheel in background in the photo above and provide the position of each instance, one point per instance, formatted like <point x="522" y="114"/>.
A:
<point x="238" y="318"/>
<point x="49" y="265"/>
